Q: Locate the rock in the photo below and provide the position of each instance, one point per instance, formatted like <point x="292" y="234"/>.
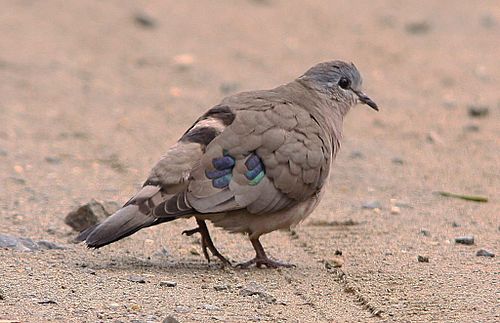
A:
<point x="467" y="240"/>
<point x="374" y="204"/>
<point x="434" y="138"/>
<point x="338" y="252"/>
<point x="477" y="111"/>
<point x="418" y="27"/>
<point x="136" y="279"/>
<point x="168" y="283"/>
<point x="19" y="244"/>
<point x="485" y="253"/>
<point x="88" y="215"/>
<point x="114" y="306"/>
<point x="47" y="302"/>
<point x="49" y="245"/>
<point x="395" y="209"/>
<point x="455" y="224"/>
<point x="220" y="288"/>
<point x="183" y="61"/>
<point x="2" y="295"/>
<point x="182" y="309"/>
<point x="170" y="319"/>
<point x="336" y="262"/>
<point x="254" y="289"/>
<point x="397" y="161"/>
<point x="425" y="232"/>
<point x="53" y="160"/>
<point x="144" y="20"/>
<point x="422" y="258"/>
<point x="3" y="152"/>
<point x="163" y="252"/>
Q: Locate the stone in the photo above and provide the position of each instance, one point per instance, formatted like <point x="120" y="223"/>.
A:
<point x="373" y="204"/>
<point x="136" y="279"/>
<point x="144" y="20"/>
<point x="466" y="240"/>
<point x="485" y="253"/>
<point x="88" y="215"/>
<point x="422" y="258"/>
<point x="49" y="245"/>
<point x="168" y="283"/>
<point x="254" y="289"/>
<point x="170" y="319"/>
<point x="478" y="111"/>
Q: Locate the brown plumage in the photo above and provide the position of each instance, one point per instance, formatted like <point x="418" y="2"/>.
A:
<point x="255" y="163"/>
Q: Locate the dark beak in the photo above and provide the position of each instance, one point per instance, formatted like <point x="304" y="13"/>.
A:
<point x="366" y="100"/>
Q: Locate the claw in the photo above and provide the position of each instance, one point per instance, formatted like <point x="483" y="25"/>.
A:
<point x="206" y="242"/>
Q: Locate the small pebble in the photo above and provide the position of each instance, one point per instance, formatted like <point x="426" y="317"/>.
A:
<point x="395" y="209"/>
<point x="478" y="111"/>
<point x="53" y="160"/>
<point x="113" y="306"/>
<point x="371" y="205"/>
<point x="434" y="138"/>
<point x="397" y="161"/>
<point x="144" y="20"/>
<point x="182" y="309"/>
<point x="170" y="319"/>
<point x="183" y="61"/>
<point x="168" y="283"/>
<point x="418" y="27"/>
<point x="136" y="279"/>
<point x="211" y="307"/>
<point x="425" y="232"/>
<point x="3" y="152"/>
<point x="336" y="262"/>
<point x="467" y="240"/>
<point x="422" y="258"/>
<point x="220" y="288"/>
<point x="485" y="253"/>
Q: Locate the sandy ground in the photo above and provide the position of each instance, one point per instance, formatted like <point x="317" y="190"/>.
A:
<point x="90" y="98"/>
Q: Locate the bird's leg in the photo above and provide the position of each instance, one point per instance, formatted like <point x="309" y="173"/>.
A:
<point x="261" y="258"/>
<point x="206" y="242"/>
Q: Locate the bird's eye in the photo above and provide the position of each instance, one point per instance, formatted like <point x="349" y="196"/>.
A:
<point x="344" y="83"/>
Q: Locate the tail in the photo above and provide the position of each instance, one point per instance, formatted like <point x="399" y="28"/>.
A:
<point x="135" y="215"/>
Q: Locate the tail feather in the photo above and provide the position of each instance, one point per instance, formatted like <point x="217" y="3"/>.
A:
<point x="138" y="213"/>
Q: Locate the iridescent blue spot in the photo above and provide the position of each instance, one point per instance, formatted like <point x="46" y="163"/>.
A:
<point x="217" y="173"/>
<point x="223" y="162"/>
<point x="252" y="173"/>
<point x="252" y="161"/>
<point x="222" y="182"/>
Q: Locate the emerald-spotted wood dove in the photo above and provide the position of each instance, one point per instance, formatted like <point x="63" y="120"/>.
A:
<point x="256" y="162"/>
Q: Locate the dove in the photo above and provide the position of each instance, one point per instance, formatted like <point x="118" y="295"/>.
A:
<point x="254" y="163"/>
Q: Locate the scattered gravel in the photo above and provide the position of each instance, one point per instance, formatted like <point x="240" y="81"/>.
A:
<point x="26" y="244"/>
<point x="254" y="289"/>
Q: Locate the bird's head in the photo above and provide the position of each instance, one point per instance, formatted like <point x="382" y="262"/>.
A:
<point x="340" y="80"/>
